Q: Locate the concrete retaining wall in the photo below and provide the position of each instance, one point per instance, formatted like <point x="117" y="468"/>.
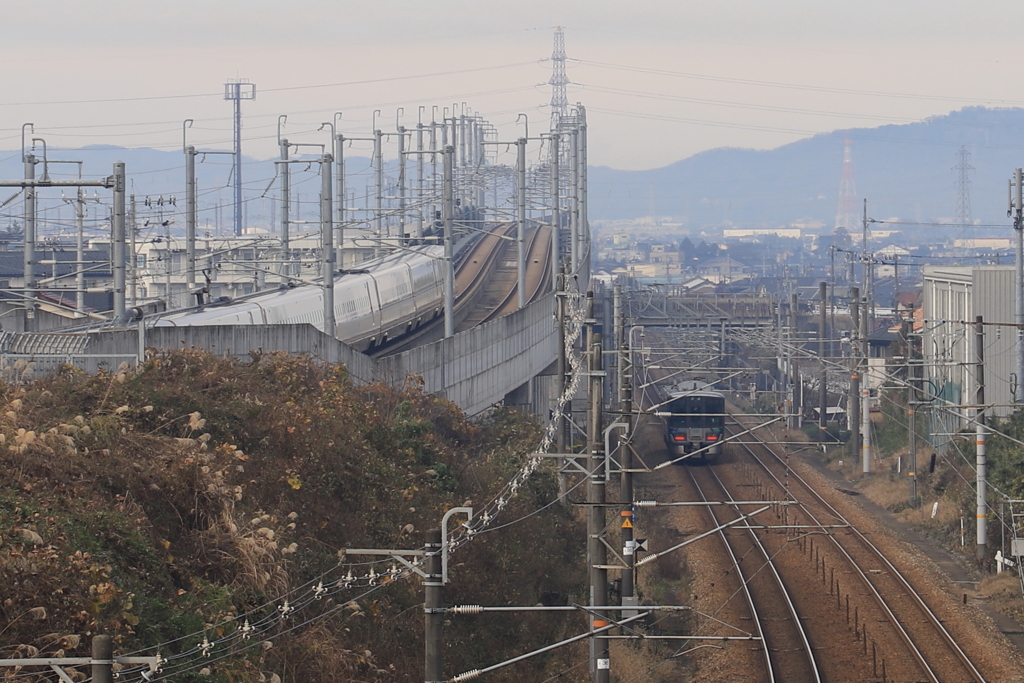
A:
<point x="475" y="369"/>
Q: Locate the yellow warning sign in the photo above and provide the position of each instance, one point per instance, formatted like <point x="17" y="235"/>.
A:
<point x="626" y="524"/>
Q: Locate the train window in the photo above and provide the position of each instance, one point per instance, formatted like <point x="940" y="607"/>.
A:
<point x="696" y="411"/>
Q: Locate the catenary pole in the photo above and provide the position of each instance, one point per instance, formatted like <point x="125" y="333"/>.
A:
<point x="102" y="659"/>
<point x="30" y="244"/>
<point x="521" y="219"/>
<point x="853" y="399"/>
<point x="865" y="391"/>
<point x="574" y="199"/>
<point x="190" y="220"/>
<point x="823" y="372"/>
<point x="625" y="407"/>
<point x="80" y="251"/>
<point x="327" y="238"/>
<point x="447" y="216"/>
<point x="1018" y="225"/>
<point x="556" y="257"/>
<point x="419" y="180"/>
<point x="339" y="199"/>
<point x="911" y="375"/>
<point x="133" y="231"/>
<point x="583" y="231"/>
<point x="980" y="433"/>
<point x="794" y="359"/>
<point x="433" y="609"/>
<point x="286" y="191"/>
<point x="597" y="554"/>
<point x="561" y="367"/>
<point x="401" y="186"/>
<point x="118" y="255"/>
<point x="378" y="190"/>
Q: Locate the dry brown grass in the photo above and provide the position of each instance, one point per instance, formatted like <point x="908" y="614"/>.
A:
<point x="1003" y="591"/>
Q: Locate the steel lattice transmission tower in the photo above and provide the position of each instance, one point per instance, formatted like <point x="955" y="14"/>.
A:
<point x="558" y="81"/>
<point x="846" y="213"/>
<point x="963" y="195"/>
<point x="237" y="90"/>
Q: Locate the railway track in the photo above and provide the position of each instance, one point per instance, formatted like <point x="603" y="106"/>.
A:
<point x="901" y="638"/>
<point x="537" y="273"/>
<point x="785" y="646"/>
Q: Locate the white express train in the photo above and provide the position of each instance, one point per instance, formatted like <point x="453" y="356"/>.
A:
<point x="393" y="296"/>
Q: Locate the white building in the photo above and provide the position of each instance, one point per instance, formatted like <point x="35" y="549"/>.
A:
<point x="953" y="296"/>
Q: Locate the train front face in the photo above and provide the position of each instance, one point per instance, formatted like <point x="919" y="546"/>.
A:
<point x="696" y="423"/>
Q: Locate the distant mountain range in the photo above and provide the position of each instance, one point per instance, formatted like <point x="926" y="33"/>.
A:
<point x="905" y="171"/>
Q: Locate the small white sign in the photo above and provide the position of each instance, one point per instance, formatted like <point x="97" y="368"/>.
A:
<point x="604" y="664"/>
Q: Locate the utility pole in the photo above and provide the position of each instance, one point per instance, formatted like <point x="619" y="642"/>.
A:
<point x="447" y="215"/>
<point x="327" y="241"/>
<point x="1016" y="208"/>
<point x="823" y="372"/>
<point x="853" y="399"/>
<point x="980" y="433"/>
<point x="597" y="554"/>
<point x="865" y="393"/>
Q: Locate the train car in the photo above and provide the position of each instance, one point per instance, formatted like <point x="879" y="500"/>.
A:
<point x="393" y="296"/>
<point x="694" y="421"/>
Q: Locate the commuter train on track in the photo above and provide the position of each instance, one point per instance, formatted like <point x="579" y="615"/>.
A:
<point x="694" y="422"/>
<point x="393" y="296"/>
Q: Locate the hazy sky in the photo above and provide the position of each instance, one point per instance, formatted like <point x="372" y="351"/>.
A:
<point x="662" y="79"/>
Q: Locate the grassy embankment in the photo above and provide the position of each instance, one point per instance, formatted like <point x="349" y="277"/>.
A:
<point x="152" y="505"/>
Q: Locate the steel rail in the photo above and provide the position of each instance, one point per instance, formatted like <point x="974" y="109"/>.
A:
<point x="506" y="303"/>
<point x="744" y="582"/>
<point x="795" y="616"/>
<point x="893" y="571"/>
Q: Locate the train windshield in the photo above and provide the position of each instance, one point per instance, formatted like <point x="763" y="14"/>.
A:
<point x="696" y="411"/>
